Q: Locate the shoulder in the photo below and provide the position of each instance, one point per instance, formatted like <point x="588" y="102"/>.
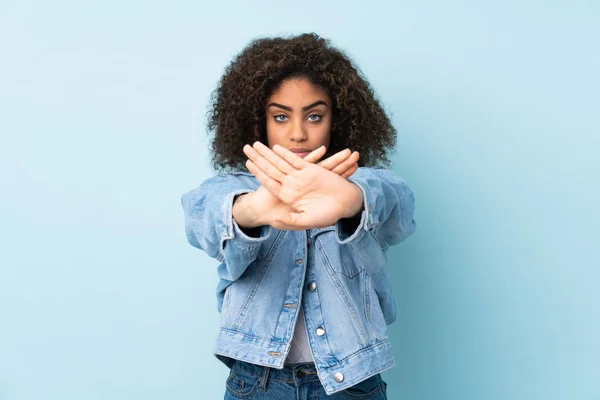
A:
<point x="376" y="172"/>
<point x="221" y="184"/>
<point x="235" y="178"/>
<point x="381" y="179"/>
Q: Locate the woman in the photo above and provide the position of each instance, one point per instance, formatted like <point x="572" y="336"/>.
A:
<point x="300" y="223"/>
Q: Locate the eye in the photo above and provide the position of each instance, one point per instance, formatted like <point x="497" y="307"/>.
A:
<point x="280" y="118"/>
<point x="314" y="117"/>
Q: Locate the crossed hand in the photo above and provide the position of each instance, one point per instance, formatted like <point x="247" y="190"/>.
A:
<point x="296" y="193"/>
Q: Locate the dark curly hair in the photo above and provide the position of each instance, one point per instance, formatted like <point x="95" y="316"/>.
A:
<point x="237" y="112"/>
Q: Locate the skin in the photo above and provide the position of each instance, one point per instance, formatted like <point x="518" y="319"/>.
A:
<point x="299" y="117"/>
<point x="315" y="196"/>
<point x="296" y="193"/>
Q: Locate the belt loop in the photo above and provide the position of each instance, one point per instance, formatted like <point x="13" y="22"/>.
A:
<point x="264" y="379"/>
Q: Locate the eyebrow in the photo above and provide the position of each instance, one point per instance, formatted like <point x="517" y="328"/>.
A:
<point x="316" y="103"/>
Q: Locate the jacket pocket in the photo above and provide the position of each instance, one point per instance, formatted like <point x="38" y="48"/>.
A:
<point x="342" y="259"/>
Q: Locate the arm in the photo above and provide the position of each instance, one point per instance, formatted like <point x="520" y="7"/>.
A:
<point x="210" y="226"/>
<point x="388" y="208"/>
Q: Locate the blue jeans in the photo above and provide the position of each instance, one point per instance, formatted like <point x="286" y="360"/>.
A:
<point x="249" y="382"/>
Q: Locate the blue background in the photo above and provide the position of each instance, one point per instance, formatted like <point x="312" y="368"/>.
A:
<point x="102" y="119"/>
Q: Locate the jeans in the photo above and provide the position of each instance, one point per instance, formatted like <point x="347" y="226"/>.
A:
<point x="300" y="382"/>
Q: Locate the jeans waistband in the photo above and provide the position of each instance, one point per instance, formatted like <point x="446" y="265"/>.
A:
<point x="298" y="373"/>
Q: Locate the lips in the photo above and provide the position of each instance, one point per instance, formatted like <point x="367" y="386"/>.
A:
<point x="301" y="152"/>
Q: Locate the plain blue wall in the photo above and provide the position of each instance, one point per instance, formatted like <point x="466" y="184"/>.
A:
<point x="102" y="113"/>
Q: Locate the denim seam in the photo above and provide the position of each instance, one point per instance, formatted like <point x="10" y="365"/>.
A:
<point x="351" y="276"/>
<point x="264" y="265"/>
<point x="368" y="348"/>
<point x="342" y="291"/>
<point x="238" y="332"/>
<point x="367" y="303"/>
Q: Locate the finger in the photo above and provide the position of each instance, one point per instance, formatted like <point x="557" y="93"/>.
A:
<point x="342" y="167"/>
<point x="265" y="166"/>
<point x="292" y="159"/>
<point x="288" y="222"/>
<point x="316" y="155"/>
<point x="339" y="157"/>
<point x="297" y="221"/>
<point x="349" y="171"/>
<point x="283" y="227"/>
<point x="273" y="158"/>
<point x="269" y="183"/>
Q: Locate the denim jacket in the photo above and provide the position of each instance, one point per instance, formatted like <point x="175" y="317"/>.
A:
<point x="338" y="277"/>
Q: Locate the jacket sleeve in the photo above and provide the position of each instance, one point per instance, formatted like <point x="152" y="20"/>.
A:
<point x="209" y="225"/>
<point x="387" y="211"/>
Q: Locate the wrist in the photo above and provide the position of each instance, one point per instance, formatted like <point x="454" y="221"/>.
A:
<point x="244" y="213"/>
<point x="355" y="202"/>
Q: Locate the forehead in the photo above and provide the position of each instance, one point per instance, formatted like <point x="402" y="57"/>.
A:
<point x="299" y="89"/>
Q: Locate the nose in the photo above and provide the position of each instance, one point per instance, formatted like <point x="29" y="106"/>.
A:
<point x="297" y="132"/>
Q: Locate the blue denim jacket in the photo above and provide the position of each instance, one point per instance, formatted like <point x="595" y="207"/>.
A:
<point x="338" y="277"/>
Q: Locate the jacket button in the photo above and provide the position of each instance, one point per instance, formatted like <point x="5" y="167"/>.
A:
<point x="299" y="261"/>
<point x="312" y="286"/>
<point x="339" y="377"/>
<point x="320" y="331"/>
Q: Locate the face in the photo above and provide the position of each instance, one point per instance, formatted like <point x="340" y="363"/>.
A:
<point x="299" y="116"/>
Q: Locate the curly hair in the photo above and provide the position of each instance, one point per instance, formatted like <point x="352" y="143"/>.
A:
<point x="236" y="114"/>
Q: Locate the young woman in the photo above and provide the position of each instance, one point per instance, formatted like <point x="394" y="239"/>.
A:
<point x="300" y="216"/>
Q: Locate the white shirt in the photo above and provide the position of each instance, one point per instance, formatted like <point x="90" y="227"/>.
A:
<point x="300" y="351"/>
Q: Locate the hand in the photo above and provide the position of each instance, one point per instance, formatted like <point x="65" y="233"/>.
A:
<point x="344" y="163"/>
<point x="315" y="196"/>
<point x="259" y="207"/>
